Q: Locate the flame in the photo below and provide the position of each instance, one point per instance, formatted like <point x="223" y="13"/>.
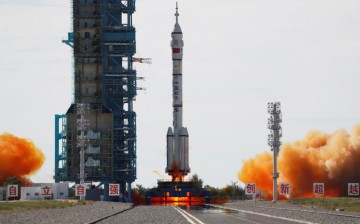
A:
<point x="18" y="157"/>
<point x="176" y="174"/>
<point x="177" y="201"/>
<point x="332" y="159"/>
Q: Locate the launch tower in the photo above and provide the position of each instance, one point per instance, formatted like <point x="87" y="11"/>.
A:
<point x="103" y="42"/>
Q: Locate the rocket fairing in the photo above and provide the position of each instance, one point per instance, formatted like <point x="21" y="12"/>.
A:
<point x="178" y="137"/>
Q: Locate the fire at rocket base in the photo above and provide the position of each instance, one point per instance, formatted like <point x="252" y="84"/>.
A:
<point x="332" y="159"/>
<point x="178" y="137"/>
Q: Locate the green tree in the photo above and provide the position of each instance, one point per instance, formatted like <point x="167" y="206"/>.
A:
<point x="140" y="190"/>
<point x="197" y="180"/>
<point x="12" y="180"/>
<point x="213" y="190"/>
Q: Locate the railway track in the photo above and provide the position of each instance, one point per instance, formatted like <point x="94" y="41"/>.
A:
<point x="111" y="215"/>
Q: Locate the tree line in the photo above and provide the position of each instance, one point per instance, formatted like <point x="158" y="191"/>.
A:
<point x="230" y="191"/>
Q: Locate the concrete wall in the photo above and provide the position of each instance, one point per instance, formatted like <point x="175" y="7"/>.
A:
<point x="61" y="191"/>
<point x="30" y="193"/>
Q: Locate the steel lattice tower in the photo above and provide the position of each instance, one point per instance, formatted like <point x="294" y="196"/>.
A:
<point x="103" y="42"/>
<point x="274" y="124"/>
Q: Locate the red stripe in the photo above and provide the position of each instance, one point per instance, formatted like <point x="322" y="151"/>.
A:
<point x="176" y="50"/>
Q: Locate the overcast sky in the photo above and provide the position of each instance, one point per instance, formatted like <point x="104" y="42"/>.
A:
<point x="238" y="55"/>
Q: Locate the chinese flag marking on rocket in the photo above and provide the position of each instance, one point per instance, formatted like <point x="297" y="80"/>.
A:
<point x="176" y="50"/>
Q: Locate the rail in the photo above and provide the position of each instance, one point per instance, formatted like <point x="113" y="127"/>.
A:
<point x="111" y="215"/>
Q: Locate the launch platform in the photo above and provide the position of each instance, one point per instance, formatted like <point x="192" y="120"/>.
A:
<point x="177" y="193"/>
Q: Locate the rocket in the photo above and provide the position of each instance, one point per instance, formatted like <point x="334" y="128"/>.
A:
<point x="177" y="137"/>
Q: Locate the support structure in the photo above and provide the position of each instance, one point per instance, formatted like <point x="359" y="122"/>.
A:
<point x="119" y="84"/>
<point x="60" y="147"/>
<point x="274" y="124"/>
<point x="70" y="40"/>
<point x="82" y="140"/>
<point x="103" y="42"/>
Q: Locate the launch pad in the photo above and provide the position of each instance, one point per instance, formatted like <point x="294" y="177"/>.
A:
<point x="177" y="193"/>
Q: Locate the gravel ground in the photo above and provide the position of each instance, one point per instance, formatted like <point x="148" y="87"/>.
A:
<point x="76" y="214"/>
<point x="283" y="210"/>
<point x="148" y="214"/>
<point x="166" y="214"/>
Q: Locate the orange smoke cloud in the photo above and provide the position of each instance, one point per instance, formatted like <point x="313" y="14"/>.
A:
<point x="18" y="157"/>
<point x="331" y="159"/>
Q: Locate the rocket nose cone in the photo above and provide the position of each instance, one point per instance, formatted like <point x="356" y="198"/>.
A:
<point x="170" y="132"/>
<point x="177" y="28"/>
<point x="183" y="132"/>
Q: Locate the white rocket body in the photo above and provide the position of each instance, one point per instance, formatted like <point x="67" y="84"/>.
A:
<point x="178" y="137"/>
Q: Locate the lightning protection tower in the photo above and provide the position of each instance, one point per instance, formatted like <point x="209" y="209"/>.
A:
<point x="103" y="42"/>
<point x="274" y="109"/>
<point x="82" y="128"/>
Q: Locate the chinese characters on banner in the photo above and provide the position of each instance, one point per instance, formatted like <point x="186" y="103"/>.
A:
<point x="318" y="188"/>
<point x="114" y="189"/>
<point x="284" y="189"/>
<point x="250" y="188"/>
<point x="353" y="189"/>
<point x="46" y="190"/>
<point x="80" y="190"/>
<point x="12" y="191"/>
<point x="176" y="85"/>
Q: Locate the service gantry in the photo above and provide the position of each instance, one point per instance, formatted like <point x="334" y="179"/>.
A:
<point x="103" y="42"/>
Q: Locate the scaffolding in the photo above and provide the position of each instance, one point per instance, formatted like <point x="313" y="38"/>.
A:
<point x="60" y="148"/>
<point x="103" y="42"/>
<point x="118" y="39"/>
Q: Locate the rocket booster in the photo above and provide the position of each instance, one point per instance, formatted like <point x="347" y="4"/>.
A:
<point x="178" y="137"/>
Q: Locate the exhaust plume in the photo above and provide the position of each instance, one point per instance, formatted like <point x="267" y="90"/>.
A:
<point x="18" y="157"/>
<point x="332" y="159"/>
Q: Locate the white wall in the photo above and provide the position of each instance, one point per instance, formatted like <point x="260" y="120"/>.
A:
<point x="58" y="190"/>
<point x="30" y="193"/>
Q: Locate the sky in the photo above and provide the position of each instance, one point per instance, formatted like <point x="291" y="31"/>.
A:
<point x="238" y="56"/>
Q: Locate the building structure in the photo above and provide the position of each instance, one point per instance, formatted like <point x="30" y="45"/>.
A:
<point x="58" y="191"/>
<point x="103" y="42"/>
